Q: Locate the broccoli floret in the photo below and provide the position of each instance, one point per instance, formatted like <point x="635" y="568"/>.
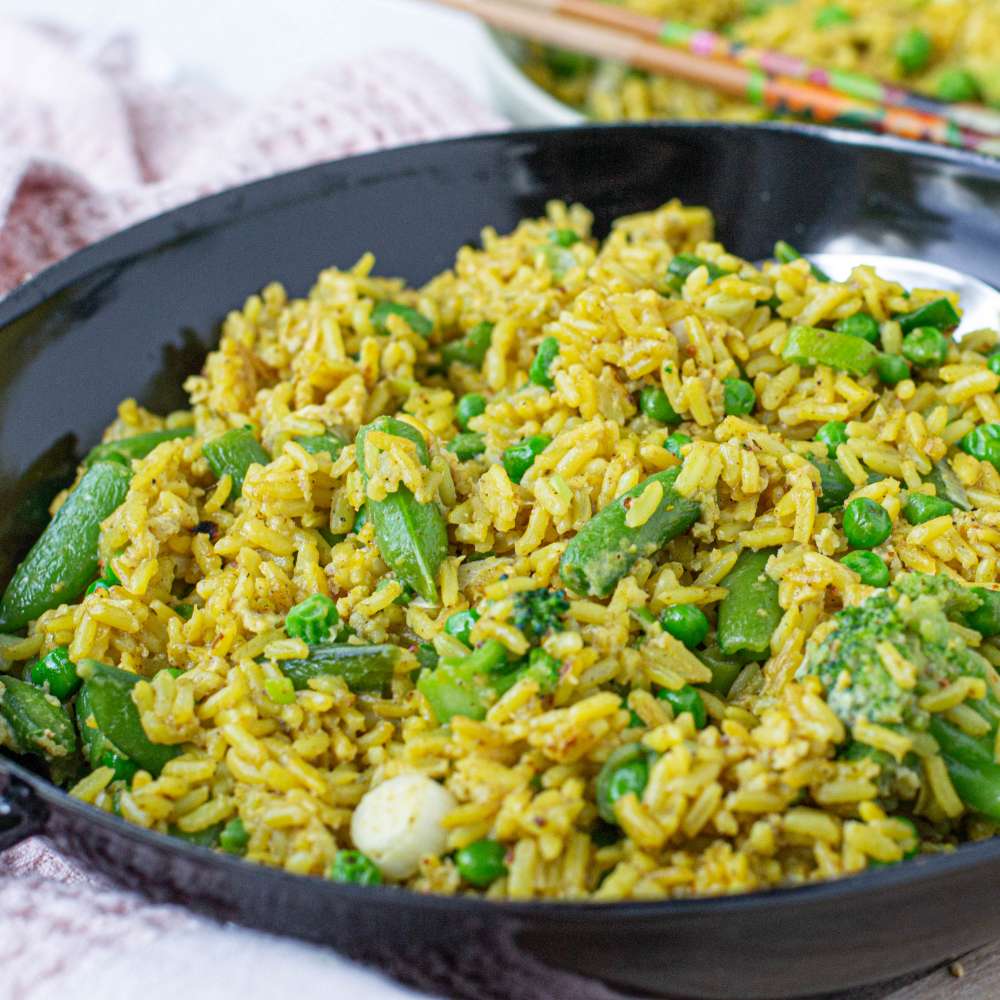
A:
<point x="537" y="611"/>
<point x="900" y="644"/>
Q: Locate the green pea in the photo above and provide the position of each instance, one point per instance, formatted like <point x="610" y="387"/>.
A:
<point x="626" y="770"/>
<point x="472" y="404"/>
<point x="869" y="566"/>
<point x="547" y="352"/>
<point x="520" y="457"/>
<point x="467" y="446"/>
<point x="354" y="868"/>
<point x="983" y="442"/>
<point x="832" y="434"/>
<point x="830" y="16"/>
<point x="184" y="610"/>
<point x="956" y="85"/>
<point x="913" y="50"/>
<point x="234" y="837"/>
<point x="654" y="404"/>
<point x="993" y="363"/>
<point x="56" y="670"/>
<point x="920" y="507"/>
<point x="986" y="618"/>
<point x="861" y="325"/>
<point x="866" y="523"/>
<point x="481" y="862"/>
<point x="416" y="321"/>
<point x="470" y="349"/>
<point x="891" y="369"/>
<point x="687" y="623"/>
<point x="687" y="699"/>
<point x="926" y="345"/>
<point x="564" y="237"/>
<point x="738" y="397"/>
<point x="460" y="625"/>
<point x="675" y="442"/>
<point x="312" y="619"/>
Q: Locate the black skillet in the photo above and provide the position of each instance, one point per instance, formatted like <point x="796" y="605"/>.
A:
<point x="134" y="314"/>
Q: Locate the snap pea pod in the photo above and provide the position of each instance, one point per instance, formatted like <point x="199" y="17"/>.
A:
<point x="316" y="444"/>
<point x="97" y="748"/>
<point x="107" y="693"/>
<point x="64" y="560"/>
<point x="35" y="721"/>
<point x="971" y="765"/>
<point x="412" y="537"/>
<point x="606" y="548"/>
<point x="232" y="454"/>
<point x="137" y="446"/>
<point x="940" y="314"/>
<point x="749" y="613"/>
<point x="470" y="349"/>
<point x="363" y="668"/>
<point x="835" y="487"/>
<point x="785" y="253"/>
<point x="811" y="346"/>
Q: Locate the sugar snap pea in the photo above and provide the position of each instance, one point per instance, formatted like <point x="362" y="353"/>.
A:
<point x="64" y="559"/>
<point x="605" y="548"/>
<point x="108" y="707"/>
<point x="232" y="454"/>
<point x="749" y="613"/>
<point x="34" y="721"/>
<point x="137" y="446"/>
<point x="363" y="668"/>
<point x="835" y="487"/>
<point x="412" y="537"/>
<point x="316" y="444"/>
<point x="470" y="349"/>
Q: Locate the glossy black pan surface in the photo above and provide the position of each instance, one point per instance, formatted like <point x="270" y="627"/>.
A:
<point x="134" y="314"/>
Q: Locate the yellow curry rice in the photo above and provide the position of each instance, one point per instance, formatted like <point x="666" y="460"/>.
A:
<point x="756" y="798"/>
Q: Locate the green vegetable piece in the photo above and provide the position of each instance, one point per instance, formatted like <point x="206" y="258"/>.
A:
<point x="481" y="862"/>
<point x="971" y="767"/>
<point x="460" y="625"/>
<point x="685" y="264"/>
<point x="830" y="16"/>
<point x="416" y="321"/>
<point x="785" y="253"/>
<point x="940" y="314"/>
<point x="891" y="369"/>
<point x="363" y="668"/>
<point x="317" y="444"/>
<point x="947" y="486"/>
<point x="106" y="581"/>
<point x="472" y="404"/>
<point x="564" y="237"/>
<point x="687" y="699"/>
<point x="566" y="63"/>
<point x="412" y="537"/>
<point x="739" y="397"/>
<point x="913" y="50"/>
<point x="97" y="748"/>
<point x="232" y="454"/>
<point x="470" y="349"/>
<point x="543" y="668"/>
<point x="537" y="612"/>
<point x="750" y="612"/>
<point x="461" y="686"/>
<point x="957" y="85"/>
<point x="685" y="622"/>
<point x="354" y="868"/>
<point x="605" y="548"/>
<point x="866" y="523"/>
<point x="234" y="837"/>
<point x="64" y="560"/>
<point x="313" y="619"/>
<point x="869" y="566"/>
<point x="985" y="619"/>
<point x="184" y="610"/>
<point x="835" y="487"/>
<point x="360" y="519"/>
<point x="427" y="656"/>
<point x="559" y="260"/>
<point x="654" y="403"/>
<point x="983" y="442"/>
<point x="35" y="722"/>
<point x="920" y="507"/>
<point x="109" y="698"/>
<point x="861" y="324"/>
<point x="208" y="837"/>
<point x="280" y="690"/>
<point x="547" y="352"/>
<point x="467" y="446"/>
<point x="926" y="345"/>
<point x="993" y="363"/>
<point x="56" y="671"/>
<point x="520" y="457"/>
<point x="811" y="346"/>
<point x="125" y="450"/>
<point x="676" y="442"/>
<point x="626" y="770"/>
<point x="724" y="671"/>
<point x="832" y="434"/>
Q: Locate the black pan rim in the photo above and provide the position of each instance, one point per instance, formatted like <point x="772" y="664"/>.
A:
<point x="213" y="210"/>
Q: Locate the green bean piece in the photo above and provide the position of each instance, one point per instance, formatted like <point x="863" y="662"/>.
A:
<point x="918" y="508"/>
<point x="416" y="321"/>
<point x="869" y="566"/>
<point x="940" y="314"/>
<point x="548" y="351"/>
<point x="947" y="485"/>
<point x="138" y="446"/>
<point x="891" y="369"/>
<point x="520" y="457"/>
<point x="861" y="324"/>
<point x="684" y="264"/>
<point x="686" y="699"/>
<point x="354" y="868"/>
<point x="835" y="487"/>
<point x="363" y="668"/>
<point x="605" y="548"/>
<point x="316" y="444"/>
<point x="785" y="253"/>
<point x="57" y="672"/>
<point x="467" y="446"/>
<point x="234" y="837"/>
<point x="472" y="404"/>
<point x="481" y="862"/>
<point x="412" y="537"/>
<point x="35" y="722"/>
<point x="64" y="560"/>
<point x="231" y="454"/>
<point x="460" y="625"/>
<point x="913" y="50"/>
<point x="810" y="346"/>
<point x="470" y="349"/>
<point x="108" y="692"/>
<point x="313" y="619"/>
<point x="750" y="612"/>
<point x="626" y="770"/>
